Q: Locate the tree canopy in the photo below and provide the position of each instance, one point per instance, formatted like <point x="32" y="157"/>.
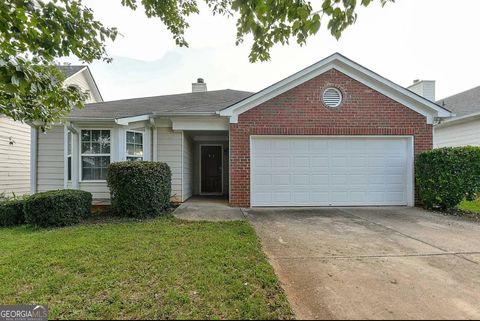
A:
<point x="33" y="33"/>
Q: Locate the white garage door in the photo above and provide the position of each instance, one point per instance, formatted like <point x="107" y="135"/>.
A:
<point x="331" y="171"/>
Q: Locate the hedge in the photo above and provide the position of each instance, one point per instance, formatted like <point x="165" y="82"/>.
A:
<point x="139" y="189"/>
<point x="12" y="212"/>
<point x="447" y="176"/>
<point x="57" y="208"/>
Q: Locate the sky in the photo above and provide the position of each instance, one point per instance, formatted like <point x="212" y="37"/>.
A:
<point x="406" y="40"/>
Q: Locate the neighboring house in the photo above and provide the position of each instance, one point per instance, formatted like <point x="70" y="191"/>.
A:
<point x="332" y="134"/>
<point x="15" y="136"/>
<point x="464" y="128"/>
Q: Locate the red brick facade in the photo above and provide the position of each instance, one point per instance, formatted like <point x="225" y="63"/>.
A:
<point x="300" y="111"/>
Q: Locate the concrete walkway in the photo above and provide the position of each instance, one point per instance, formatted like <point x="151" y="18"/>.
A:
<point x="373" y="263"/>
<point x="214" y="209"/>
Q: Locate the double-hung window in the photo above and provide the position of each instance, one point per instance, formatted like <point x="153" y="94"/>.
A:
<point x="134" y="146"/>
<point x="95" y="153"/>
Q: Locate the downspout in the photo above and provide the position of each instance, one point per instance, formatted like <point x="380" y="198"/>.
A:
<point x="33" y="159"/>
<point x="65" y="156"/>
<point x="153" y="140"/>
<point x="181" y="171"/>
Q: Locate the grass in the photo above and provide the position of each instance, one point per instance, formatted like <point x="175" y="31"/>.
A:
<point x="154" y="269"/>
<point x="470" y="206"/>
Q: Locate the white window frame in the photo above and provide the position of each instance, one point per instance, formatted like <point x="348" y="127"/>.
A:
<point x="143" y="143"/>
<point x="81" y="180"/>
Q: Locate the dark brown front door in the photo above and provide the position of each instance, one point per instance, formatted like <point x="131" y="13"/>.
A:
<point x="211" y="171"/>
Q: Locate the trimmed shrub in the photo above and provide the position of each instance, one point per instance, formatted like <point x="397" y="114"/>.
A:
<point x="447" y="176"/>
<point x="12" y="212"/>
<point x="57" y="208"/>
<point x="139" y="189"/>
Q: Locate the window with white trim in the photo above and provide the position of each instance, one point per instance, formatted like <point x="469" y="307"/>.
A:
<point x="69" y="155"/>
<point x="95" y="153"/>
<point x="134" y="146"/>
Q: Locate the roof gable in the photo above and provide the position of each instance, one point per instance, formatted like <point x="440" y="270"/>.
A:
<point x="70" y="70"/>
<point x="71" y="74"/>
<point x="348" y="67"/>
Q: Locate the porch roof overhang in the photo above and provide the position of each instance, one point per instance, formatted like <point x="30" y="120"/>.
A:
<point x="179" y="120"/>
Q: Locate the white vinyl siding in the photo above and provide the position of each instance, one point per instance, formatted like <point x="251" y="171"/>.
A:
<point x="169" y="150"/>
<point x="99" y="190"/>
<point x="80" y="80"/>
<point x="14" y="158"/>
<point x="50" y="159"/>
<point x="463" y="134"/>
<point x="331" y="171"/>
<point x="187" y="167"/>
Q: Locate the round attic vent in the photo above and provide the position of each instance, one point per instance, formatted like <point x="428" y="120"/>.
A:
<point x="332" y="97"/>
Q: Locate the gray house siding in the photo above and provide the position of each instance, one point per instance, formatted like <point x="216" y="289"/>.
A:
<point x="14" y="157"/>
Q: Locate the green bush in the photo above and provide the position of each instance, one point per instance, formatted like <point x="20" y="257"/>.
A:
<point x="57" y="208"/>
<point x="12" y="212"/>
<point x="447" y="176"/>
<point x="139" y="189"/>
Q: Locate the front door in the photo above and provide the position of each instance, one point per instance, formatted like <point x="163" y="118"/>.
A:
<point x="211" y="169"/>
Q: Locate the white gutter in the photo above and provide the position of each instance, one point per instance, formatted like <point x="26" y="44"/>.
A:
<point x="198" y="113"/>
<point x="124" y="121"/>
<point x="458" y="120"/>
<point x="90" y="119"/>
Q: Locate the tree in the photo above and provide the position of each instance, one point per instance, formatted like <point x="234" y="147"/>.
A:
<point x="33" y="33"/>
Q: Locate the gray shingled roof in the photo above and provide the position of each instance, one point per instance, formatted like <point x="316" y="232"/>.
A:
<point x="69" y="70"/>
<point x="202" y="102"/>
<point x="464" y="103"/>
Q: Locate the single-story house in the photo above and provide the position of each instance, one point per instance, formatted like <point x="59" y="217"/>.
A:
<point x="464" y="128"/>
<point x="15" y="136"/>
<point x="332" y="134"/>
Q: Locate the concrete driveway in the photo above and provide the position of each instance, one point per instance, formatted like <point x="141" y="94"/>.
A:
<point x="373" y="263"/>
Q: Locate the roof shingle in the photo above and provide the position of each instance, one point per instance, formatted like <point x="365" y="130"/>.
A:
<point x="464" y="103"/>
<point x="202" y="102"/>
<point x="69" y="70"/>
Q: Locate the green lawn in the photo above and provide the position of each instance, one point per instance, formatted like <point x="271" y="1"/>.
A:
<point x="473" y="206"/>
<point x="161" y="268"/>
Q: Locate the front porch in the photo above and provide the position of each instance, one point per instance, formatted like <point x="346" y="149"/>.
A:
<point x="205" y="164"/>
<point x="208" y="208"/>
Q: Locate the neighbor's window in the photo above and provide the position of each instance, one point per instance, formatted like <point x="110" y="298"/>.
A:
<point x="134" y="146"/>
<point x="95" y="150"/>
<point x="69" y="155"/>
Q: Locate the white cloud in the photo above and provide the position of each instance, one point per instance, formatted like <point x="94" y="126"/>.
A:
<point x="428" y="39"/>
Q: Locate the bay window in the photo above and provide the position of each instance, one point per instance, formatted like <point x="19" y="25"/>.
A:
<point x="95" y="153"/>
<point x="134" y="146"/>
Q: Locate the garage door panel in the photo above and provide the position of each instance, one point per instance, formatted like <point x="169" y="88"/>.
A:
<point x="319" y="197"/>
<point x="301" y="180"/>
<point x="309" y="171"/>
<point x="319" y="180"/>
<point x="281" y="162"/>
<point x="281" y="179"/>
<point x="316" y="161"/>
<point x="263" y="161"/>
